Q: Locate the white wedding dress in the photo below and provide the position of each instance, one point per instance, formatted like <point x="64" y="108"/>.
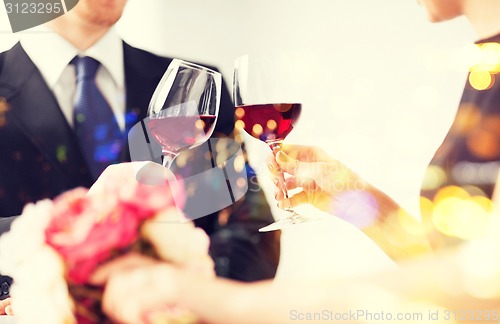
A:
<point x="330" y="249"/>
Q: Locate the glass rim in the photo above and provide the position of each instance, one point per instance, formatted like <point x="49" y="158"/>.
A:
<point x="199" y="67"/>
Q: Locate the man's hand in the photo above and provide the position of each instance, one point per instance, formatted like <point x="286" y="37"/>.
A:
<point x="130" y="174"/>
<point x="6" y="307"/>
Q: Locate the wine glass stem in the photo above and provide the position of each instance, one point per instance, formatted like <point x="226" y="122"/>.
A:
<point x="168" y="158"/>
<point x="276" y="147"/>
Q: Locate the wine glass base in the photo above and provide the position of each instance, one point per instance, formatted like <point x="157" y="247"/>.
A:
<point x="285" y="222"/>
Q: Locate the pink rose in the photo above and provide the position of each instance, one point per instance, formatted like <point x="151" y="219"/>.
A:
<point x="86" y="230"/>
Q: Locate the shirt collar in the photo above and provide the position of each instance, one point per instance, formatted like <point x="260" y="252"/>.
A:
<point x="109" y="52"/>
<point x="51" y="53"/>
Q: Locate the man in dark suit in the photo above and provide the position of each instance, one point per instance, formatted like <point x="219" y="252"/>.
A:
<point x="41" y="157"/>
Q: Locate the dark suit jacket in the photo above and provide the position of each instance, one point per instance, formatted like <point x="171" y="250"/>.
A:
<point x="40" y="158"/>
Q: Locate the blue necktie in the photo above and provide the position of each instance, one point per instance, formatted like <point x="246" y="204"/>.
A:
<point x="96" y="128"/>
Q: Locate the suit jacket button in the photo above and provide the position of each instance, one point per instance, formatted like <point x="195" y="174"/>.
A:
<point x="4" y="289"/>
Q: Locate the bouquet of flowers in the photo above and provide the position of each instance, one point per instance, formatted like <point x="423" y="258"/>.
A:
<point x="54" y="246"/>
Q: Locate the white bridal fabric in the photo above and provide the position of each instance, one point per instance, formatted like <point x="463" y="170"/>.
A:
<point x="329" y="248"/>
<point x="4" y="319"/>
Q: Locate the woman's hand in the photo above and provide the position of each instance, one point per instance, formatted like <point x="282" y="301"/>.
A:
<point x="6" y="307"/>
<point x="320" y="177"/>
<point x="138" y="288"/>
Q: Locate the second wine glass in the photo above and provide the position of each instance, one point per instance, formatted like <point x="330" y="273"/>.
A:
<point x="267" y="107"/>
<point x="184" y="108"/>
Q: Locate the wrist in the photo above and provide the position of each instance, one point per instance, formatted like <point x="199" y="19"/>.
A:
<point x="170" y="281"/>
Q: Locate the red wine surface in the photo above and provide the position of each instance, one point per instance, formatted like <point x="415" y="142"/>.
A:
<point x="269" y="122"/>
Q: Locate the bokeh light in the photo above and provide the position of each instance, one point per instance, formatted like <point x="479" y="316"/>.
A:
<point x="359" y="208"/>
<point x="239" y="112"/>
<point x="459" y="218"/>
<point x="484" y="63"/>
<point x="257" y="130"/>
<point x="459" y="214"/>
<point x="239" y="163"/>
<point x="450" y="191"/>
<point x="239" y="124"/>
<point x="4" y="107"/>
<point x="481" y="79"/>
<point x="199" y="124"/>
<point x="484" y="143"/>
<point x="271" y="124"/>
<point x="434" y="177"/>
<point x="490" y="57"/>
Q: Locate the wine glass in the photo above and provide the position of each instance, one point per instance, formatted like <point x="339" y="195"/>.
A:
<point x="267" y="107"/>
<point x="184" y="108"/>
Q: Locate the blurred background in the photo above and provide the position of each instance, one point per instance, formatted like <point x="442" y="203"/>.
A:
<point x="380" y="83"/>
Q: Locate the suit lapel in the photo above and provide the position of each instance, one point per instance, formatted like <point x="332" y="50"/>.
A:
<point x="34" y="109"/>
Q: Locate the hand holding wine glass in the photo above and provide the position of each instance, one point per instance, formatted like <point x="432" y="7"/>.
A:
<point x="267" y="108"/>
<point x="320" y="178"/>
<point x="184" y="107"/>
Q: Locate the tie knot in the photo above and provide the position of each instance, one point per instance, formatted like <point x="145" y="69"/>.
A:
<point x="86" y="68"/>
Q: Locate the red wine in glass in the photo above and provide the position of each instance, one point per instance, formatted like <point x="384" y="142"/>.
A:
<point x="268" y="105"/>
<point x="183" y="109"/>
<point x="269" y="123"/>
<point x="180" y="132"/>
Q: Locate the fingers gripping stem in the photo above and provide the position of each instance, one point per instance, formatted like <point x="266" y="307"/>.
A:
<point x="276" y="147"/>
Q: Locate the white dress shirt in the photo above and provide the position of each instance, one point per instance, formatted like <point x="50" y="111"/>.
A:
<point x="52" y="54"/>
